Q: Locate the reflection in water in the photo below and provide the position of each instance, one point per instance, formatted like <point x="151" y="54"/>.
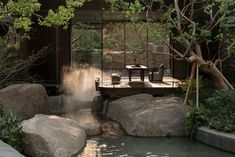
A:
<point x="92" y="149"/>
<point x="149" y="147"/>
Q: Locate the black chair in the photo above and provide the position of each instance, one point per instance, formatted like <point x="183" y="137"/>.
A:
<point x="156" y="76"/>
<point x="115" y="78"/>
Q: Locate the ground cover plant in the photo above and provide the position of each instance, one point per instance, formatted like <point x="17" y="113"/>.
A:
<point x="221" y="110"/>
<point x="217" y="111"/>
<point x="195" y="118"/>
<point x="11" y="130"/>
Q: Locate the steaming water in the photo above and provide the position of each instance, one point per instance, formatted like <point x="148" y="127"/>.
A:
<point x="149" y="147"/>
<point x="80" y="81"/>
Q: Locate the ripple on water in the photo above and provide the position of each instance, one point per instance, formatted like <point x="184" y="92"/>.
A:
<point x="149" y="147"/>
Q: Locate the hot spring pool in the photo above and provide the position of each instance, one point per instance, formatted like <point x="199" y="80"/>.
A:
<point x="149" y="147"/>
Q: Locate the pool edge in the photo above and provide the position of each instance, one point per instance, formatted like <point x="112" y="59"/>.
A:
<point x="220" y="140"/>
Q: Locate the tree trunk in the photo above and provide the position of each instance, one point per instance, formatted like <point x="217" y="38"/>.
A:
<point x="217" y="77"/>
<point x="209" y="68"/>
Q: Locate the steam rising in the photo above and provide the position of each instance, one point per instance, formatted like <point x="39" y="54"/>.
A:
<point x="80" y="81"/>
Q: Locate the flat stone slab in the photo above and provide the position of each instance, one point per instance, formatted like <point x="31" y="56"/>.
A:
<point x="8" y="151"/>
<point x="216" y="139"/>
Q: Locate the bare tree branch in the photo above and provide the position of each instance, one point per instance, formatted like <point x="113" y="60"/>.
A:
<point x="174" y="50"/>
<point x="198" y="50"/>
<point x="177" y="9"/>
<point x="23" y="65"/>
<point x="78" y="37"/>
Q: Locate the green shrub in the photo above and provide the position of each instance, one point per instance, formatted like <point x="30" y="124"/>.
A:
<point x="11" y="130"/>
<point x="206" y="88"/>
<point x="195" y="118"/>
<point x="221" y="108"/>
<point x="183" y="86"/>
<point x="217" y="109"/>
<point x="221" y="124"/>
<point x="83" y="49"/>
<point x="83" y="56"/>
<point x="14" y="67"/>
<point x="229" y="69"/>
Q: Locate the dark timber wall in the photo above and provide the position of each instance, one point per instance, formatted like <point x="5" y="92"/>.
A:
<point x="49" y="68"/>
<point x="57" y="40"/>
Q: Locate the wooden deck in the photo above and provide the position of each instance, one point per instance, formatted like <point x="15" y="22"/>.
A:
<point x="167" y="87"/>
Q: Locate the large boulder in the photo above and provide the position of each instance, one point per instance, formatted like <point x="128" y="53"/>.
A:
<point x="52" y="136"/>
<point x="7" y="151"/>
<point x="144" y="115"/>
<point x="25" y="100"/>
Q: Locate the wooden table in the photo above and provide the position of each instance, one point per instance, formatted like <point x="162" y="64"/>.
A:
<point x="141" y="68"/>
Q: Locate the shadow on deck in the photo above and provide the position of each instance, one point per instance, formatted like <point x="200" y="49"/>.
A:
<point x="167" y="87"/>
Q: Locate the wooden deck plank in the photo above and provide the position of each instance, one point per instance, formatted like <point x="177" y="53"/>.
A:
<point x="166" y="87"/>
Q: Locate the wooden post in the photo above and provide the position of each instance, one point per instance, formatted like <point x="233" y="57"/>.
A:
<point x="197" y="87"/>
<point x="192" y="75"/>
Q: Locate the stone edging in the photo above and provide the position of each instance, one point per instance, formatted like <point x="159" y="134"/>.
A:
<point x="216" y="139"/>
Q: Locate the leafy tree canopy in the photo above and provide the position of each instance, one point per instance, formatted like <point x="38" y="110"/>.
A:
<point x="189" y="20"/>
<point x="193" y="25"/>
<point x="20" y="13"/>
